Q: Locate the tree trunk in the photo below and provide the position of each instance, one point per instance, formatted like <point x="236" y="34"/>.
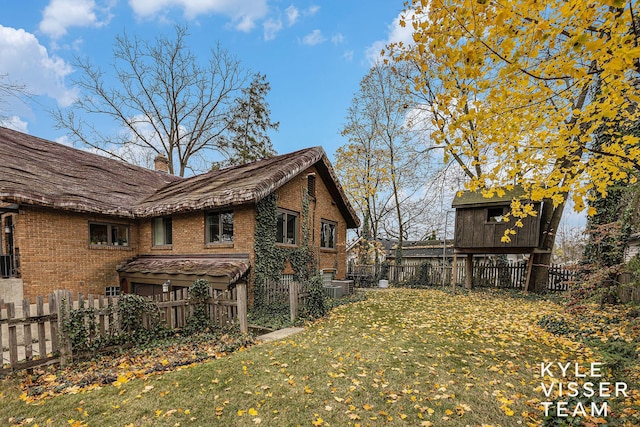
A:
<point x="549" y="222"/>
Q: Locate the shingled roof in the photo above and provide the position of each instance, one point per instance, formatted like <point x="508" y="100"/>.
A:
<point x="474" y="199"/>
<point x="43" y="173"/>
<point x="38" y="172"/>
<point x="184" y="269"/>
<point x="245" y="184"/>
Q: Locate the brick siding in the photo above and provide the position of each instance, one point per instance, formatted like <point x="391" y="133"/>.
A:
<point x="56" y="253"/>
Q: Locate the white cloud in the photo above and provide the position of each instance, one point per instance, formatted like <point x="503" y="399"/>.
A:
<point x="25" y="61"/>
<point x="271" y="27"/>
<point x="348" y="55"/>
<point x="243" y="14"/>
<point x="62" y="14"/>
<point x="292" y="15"/>
<point x="15" y="123"/>
<point x="337" y="38"/>
<point x="396" y="33"/>
<point x="314" y="38"/>
<point x="312" y="10"/>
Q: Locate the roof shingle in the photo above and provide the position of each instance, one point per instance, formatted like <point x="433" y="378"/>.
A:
<point x="37" y="172"/>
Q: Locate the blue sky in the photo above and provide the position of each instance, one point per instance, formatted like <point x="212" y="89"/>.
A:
<point x="314" y="53"/>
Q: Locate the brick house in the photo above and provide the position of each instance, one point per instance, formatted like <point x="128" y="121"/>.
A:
<point x="78" y="221"/>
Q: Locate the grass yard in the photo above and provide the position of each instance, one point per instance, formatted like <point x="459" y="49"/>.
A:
<point x="401" y="358"/>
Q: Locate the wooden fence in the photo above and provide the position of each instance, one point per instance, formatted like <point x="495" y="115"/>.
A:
<point x="289" y="292"/>
<point x="33" y="336"/>
<point x="175" y="308"/>
<point x="628" y="289"/>
<point x="485" y="274"/>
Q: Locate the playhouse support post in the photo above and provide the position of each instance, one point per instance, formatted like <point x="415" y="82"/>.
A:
<point x="469" y="270"/>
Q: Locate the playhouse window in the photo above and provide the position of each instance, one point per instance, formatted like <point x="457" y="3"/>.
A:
<point x="495" y="215"/>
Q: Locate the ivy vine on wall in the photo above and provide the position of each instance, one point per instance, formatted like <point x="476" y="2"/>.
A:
<point x="270" y="259"/>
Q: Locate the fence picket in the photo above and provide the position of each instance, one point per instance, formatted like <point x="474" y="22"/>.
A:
<point x="13" y="336"/>
<point x="1" y="345"/>
<point x="64" y="302"/>
<point x="26" y="331"/>
<point x="91" y="306"/>
<point x="42" y="336"/>
<point x="101" y="316"/>
<point x="53" y="323"/>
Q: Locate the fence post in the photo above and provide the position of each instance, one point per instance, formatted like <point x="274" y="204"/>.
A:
<point x="293" y="299"/>
<point x="454" y="273"/>
<point x="63" y="307"/>
<point x="13" y="336"/>
<point x="242" y="306"/>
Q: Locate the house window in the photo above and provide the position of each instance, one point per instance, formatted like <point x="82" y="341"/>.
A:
<point x="112" y="291"/>
<point x="162" y="231"/>
<point x="311" y="185"/>
<point x="495" y="214"/>
<point x="219" y="227"/>
<point x="287" y="228"/>
<point x="108" y="234"/>
<point x="327" y="234"/>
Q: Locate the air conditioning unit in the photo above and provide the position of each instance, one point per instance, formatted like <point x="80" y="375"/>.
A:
<point x="346" y="285"/>
<point x="333" y="291"/>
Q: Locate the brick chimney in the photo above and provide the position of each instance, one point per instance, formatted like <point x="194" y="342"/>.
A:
<point x="161" y="164"/>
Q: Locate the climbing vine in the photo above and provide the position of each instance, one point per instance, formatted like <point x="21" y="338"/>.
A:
<point x="270" y="259"/>
<point x="138" y="317"/>
<point x="199" y="320"/>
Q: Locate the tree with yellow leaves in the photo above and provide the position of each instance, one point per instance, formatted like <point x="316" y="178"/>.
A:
<point x="515" y="92"/>
<point x="380" y="168"/>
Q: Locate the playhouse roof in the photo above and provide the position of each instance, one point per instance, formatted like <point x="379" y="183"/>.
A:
<point x="473" y="199"/>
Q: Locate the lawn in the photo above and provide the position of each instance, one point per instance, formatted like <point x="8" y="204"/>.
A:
<point x="400" y="358"/>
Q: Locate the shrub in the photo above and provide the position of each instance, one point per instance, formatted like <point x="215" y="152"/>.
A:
<point x="81" y="328"/>
<point x="273" y="316"/>
<point x="139" y="319"/>
<point x="315" y="304"/>
<point x="199" y="320"/>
